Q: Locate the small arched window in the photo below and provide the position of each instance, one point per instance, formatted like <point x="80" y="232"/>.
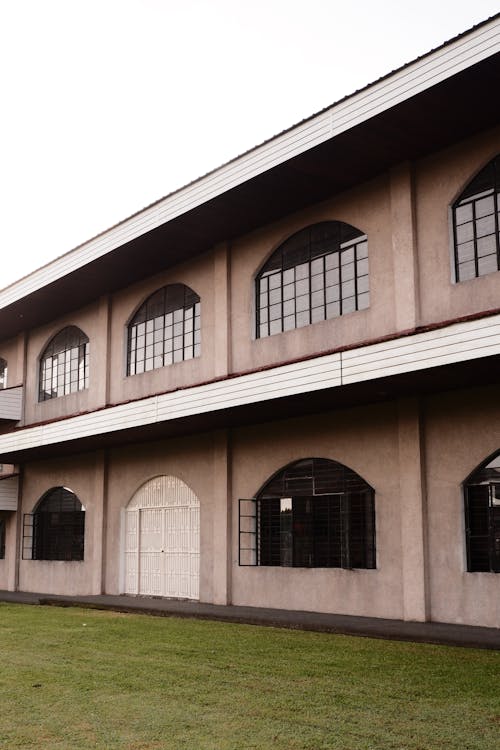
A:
<point x="164" y="330"/>
<point x="482" y="517"/>
<point x="314" y="513"/>
<point x="3" y="373"/>
<point x="318" y="273"/>
<point x="476" y="225"/>
<point x="64" y="365"/>
<point x="58" y="526"/>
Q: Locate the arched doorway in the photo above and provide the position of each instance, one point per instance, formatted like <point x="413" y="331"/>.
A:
<point x="162" y="540"/>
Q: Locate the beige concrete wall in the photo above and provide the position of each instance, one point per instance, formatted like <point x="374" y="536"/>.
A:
<point x="12" y="350"/>
<point x="84" y="476"/>
<point x="405" y="214"/>
<point x="462" y="430"/>
<point x="415" y="456"/>
<point x="200" y="276"/>
<point x="92" y="320"/>
<point x="439" y="180"/>
<point x="367" y="208"/>
<point x="366" y="440"/>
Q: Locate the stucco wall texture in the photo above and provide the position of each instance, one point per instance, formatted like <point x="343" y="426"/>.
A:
<point x="414" y="453"/>
<point x="222" y="467"/>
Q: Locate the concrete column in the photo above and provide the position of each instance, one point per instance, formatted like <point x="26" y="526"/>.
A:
<point x="100" y="477"/>
<point x="100" y="360"/>
<point x="222" y="311"/>
<point x="221" y="518"/>
<point x="414" y="569"/>
<point x="404" y="247"/>
<point x="14" y="541"/>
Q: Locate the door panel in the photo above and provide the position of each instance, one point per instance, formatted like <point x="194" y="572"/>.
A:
<point x="162" y="544"/>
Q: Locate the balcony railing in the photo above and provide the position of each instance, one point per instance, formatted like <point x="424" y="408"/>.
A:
<point x="11" y="403"/>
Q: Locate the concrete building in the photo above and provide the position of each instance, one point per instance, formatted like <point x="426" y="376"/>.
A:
<point x="279" y="385"/>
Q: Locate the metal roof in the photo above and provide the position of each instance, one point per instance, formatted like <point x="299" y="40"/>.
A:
<point x="443" y="96"/>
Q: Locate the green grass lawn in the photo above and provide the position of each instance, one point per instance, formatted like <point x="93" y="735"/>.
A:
<point x="75" y="678"/>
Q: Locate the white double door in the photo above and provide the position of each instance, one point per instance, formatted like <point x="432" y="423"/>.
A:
<point x="162" y="551"/>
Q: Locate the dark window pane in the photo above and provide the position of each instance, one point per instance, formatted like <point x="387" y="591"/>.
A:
<point x="316" y="513"/>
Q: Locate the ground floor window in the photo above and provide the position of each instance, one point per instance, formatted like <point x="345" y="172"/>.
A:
<point x="56" y="530"/>
<point x="314" y="513"/>
<point x="482" y="518"/>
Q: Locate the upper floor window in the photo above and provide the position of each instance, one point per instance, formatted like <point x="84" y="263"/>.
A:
<point x="314" y="513"/>
<point x="64" y="365"/>
<point x="165" y="329"/>
<point x="482" y="518"/>
<point x="476" y="222"/>
<point x="318" y="273"/>
<point x="3" y="373"/>
<point x="56" y="529"/>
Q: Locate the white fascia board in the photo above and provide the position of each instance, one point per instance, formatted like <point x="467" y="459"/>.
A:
<point x="414" y="78"/>
<point x="458" y="342"/>
<point x="455" y="343"/>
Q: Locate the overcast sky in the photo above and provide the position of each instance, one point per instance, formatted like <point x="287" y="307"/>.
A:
<point x="108" y="105"/>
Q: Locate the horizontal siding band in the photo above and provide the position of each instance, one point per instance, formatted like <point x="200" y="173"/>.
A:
<point x="11" y="403"/>
<point x="457" y="343"/>
<point x="9" y="493"/>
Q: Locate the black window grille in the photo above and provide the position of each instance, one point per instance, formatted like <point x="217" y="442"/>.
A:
<point x="317" y="274"/>
<point x="2" y="538"/>
<point x="482" y="518"/>
<point x="64" y="365"/>
<point x="56" y="530"/>
<point x="315" y="513"/>
<point x="476" y="225"/>
<point x="3" y="373"/>
<point x="164" y="330"/>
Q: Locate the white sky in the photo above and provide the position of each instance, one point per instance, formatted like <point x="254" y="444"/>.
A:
<point x="108" y="105"/>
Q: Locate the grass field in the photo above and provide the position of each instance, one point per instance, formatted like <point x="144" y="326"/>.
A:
<point x="74" y="678"/>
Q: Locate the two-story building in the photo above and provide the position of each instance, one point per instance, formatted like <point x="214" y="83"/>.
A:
<point x="279" y="385"/>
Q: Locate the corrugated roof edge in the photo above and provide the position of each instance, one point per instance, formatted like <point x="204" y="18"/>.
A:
<point x="377" y="81"/>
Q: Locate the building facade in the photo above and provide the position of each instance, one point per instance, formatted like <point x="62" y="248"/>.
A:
<point x="278" y="386"/>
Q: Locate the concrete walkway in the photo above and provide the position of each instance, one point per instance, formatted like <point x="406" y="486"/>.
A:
<point x="372" y="627"/>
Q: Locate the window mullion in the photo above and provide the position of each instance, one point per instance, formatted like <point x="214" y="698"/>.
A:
<point x="497" y="227"/>
<point x="345" y="537"/>
<point x="474" y="240"/>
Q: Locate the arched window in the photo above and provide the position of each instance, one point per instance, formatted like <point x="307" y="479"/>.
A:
<point x="64" y="365"/>
<point x="476" y="225"/>
<point x="3" y="373"/>
<point x="165" y="329"/>
<point x="482" y="518"/>
<point x="318" y="273"/>
<point x="314" y="513"/>
<point x="57" y="527"/>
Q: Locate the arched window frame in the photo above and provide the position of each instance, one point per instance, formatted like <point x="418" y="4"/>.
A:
<point x="482" y="517"/>
<point x="476" y="224"/>
<point x="313" y="513"/>
<point x="64" y="364"/>
<point x="165" y="329"/>
<point x="56" y="528"/>
<point x="3" y="373"/>
<point x="318" y="273"/>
